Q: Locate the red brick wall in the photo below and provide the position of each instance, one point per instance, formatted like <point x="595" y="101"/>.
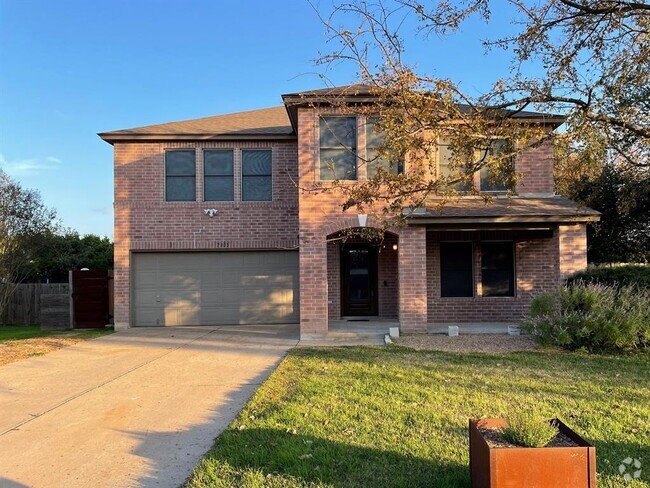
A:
<point x="388" y="278"/>
<point x="320" y="216"/>
<point x="536" y="168"/>
<point x="536" y="270"/>
<point x="413" y="280"/>
<point x="145" y="221"/>
<point x="334" y="280"/>
<point x="573" y="249"/>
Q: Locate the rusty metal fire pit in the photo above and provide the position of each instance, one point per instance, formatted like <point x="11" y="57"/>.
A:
<point x="528" y="467"/>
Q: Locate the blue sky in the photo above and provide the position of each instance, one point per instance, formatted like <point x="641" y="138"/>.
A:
<point x="71" y="68"/>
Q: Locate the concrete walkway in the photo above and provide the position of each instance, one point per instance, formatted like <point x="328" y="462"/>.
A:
<point x="134" y="409"/>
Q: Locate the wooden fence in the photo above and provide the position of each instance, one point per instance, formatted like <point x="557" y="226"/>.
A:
<point x="24" y="307"/>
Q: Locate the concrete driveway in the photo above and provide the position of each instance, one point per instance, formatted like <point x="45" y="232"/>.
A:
<point x="136" y="408"/>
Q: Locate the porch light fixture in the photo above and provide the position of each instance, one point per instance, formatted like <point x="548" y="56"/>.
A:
<point x="363" y="218"/>
<point x="394" y="247"/>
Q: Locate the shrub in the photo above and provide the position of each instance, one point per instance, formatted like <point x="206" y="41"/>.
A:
<point x="618" y="276"/>
<point x="528" y="430"/>
<point x="592" y="316"/>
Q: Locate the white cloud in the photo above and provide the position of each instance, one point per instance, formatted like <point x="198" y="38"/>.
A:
<point x="19" y="167"/>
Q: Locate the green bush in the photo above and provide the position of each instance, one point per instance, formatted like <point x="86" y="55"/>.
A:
<point x="592" y="316"/>
<point x="631" y="274"/>
<point x="528" y="430"/>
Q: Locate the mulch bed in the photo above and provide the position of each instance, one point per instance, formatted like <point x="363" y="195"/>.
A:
<point x="489" y="343"/>
<point x="494" y="439"/>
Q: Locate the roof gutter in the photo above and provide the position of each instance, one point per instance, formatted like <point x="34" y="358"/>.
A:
<point x="112" y="137"/>
<point x="506" y="219"/>
<point x="293" y="101"/>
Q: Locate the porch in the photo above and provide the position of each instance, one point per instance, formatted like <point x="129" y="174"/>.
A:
<point x="373" y="330"/>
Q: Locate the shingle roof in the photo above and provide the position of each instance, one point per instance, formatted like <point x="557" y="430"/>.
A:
<point x="264" y="123"/>
<point x="356" y="89"/>
<point x="515" y="209"/>
<point x="368" y="92"/>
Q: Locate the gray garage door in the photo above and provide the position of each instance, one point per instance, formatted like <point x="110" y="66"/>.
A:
<point x="215" y="288"/>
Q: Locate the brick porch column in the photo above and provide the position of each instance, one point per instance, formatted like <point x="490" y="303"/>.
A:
<point x="412" y="271"/>
<point x="313" y="286"/>
<point x="573" y="249"/>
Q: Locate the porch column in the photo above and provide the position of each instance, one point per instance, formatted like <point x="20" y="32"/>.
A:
<point x="313" y="286"/>
<point x="573" y="249"/>
<point x="413" y="279"/>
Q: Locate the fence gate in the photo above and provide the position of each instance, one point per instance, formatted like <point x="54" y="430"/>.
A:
<point x="90" y="298"/>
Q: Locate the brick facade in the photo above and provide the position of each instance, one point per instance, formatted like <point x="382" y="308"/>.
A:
<point x="573" y="249"/>
<point x="145" y="221"/>
<point x="535" y="167"/>
<point x="301" y="217"/>
<point x="536" y="271"/>
<point x="413" y="280"/>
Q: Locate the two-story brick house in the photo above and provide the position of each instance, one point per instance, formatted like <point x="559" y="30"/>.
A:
<point x="212" y="229"/>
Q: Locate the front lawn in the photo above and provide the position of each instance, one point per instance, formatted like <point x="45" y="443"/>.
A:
<point x="19" y="332"/>
<point x="395" y="417"/>
<point x="18" y="342"/>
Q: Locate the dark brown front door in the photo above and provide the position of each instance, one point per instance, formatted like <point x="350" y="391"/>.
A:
<point x="359" y="279"/>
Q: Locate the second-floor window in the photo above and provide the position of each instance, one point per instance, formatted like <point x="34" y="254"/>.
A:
<point x="446" y="169"/>
<point x="498" y="181"/>
<point x="180" y="175"/>
<point x="338" y="148"/>
<point x="375" y="158"/>
<point x="218" y="176"/>
<point x="256" y="175"/>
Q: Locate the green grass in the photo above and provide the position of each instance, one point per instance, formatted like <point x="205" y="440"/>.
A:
<point x="19" y="332"/>
<point x="394" y="417"/>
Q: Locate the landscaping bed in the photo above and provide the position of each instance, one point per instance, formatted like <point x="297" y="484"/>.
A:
<point x="393" y="416"/>
<point x="496" y="343"/>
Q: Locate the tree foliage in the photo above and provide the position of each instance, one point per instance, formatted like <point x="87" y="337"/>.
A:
<point x="622" y="195"/>
<point x="594" y="59"/>
<point x="23" y="217"/>
<point x="60" y="252"/>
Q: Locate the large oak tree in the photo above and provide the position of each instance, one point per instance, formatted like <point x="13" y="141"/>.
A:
<point x="592" y="65"/>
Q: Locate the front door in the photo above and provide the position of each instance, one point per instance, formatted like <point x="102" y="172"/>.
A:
<point x="359" y="279"/>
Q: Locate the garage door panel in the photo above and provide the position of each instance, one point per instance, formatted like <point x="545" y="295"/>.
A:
<point x="145" y="279"/>
<point x="145" y="297"/>
<point x="215" y="288"/>
<point x="181" y="316"/>
<point x="230" y="277"/>
<point x="150" y="318"/>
